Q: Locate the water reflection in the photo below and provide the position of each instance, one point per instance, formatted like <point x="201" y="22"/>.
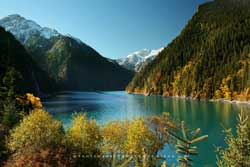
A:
<point x="108" y="106"/>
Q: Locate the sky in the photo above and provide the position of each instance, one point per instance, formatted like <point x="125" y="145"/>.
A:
<point x="114" y="28"/>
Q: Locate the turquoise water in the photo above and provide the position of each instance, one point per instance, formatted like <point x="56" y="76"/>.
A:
<point x="211" y="117"/>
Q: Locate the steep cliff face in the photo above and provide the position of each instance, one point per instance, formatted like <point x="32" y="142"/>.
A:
<point x="13" y="54"/>
<point x="209" y="59"/>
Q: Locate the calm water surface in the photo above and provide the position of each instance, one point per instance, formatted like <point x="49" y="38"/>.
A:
<point x="108" y="106"/>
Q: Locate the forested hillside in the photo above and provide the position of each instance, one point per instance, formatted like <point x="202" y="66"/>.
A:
<point x="79" y="67"/>
<point x="15" y="61"/>
<point x="209" y="59"/>
<point x="68" y="60"/>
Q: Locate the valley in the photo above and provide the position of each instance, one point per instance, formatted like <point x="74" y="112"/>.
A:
<point x="69" y="103"/>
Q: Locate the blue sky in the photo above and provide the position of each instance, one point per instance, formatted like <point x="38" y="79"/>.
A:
<point x="114" y="28"/>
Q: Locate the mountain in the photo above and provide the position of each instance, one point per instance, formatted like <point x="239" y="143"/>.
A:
<point x="209" y="59"/>
<point x="67" y="59"/>
<point x="137" y="60"/>
<point x="24" y="29"/>
<point x="13" y="55"/>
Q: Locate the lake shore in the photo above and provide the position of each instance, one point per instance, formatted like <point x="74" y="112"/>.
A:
<point x="193" y="98"/>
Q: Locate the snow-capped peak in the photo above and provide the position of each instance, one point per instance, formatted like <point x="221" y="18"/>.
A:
<point x="136" y="59"/>
<point x="154" y="53"/>
<point x="141" y="53"/>
<point x="23" y="29"/>
<point x="48" y="32"/>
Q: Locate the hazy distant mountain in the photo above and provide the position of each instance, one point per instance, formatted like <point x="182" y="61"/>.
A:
<point x="137" y="60"/>
<point x="67" y="59"/>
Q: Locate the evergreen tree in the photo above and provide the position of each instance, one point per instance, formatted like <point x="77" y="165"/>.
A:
<point x="185" y="145"/>
<point x="237" y="152"/>
<point x="9" y="114"/>
<point x="209" y="59"/>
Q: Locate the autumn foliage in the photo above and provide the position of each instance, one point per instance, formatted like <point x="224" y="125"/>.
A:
<point x="41" y="140"/>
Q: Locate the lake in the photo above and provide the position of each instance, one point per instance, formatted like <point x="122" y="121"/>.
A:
<point x="211" y="117"/>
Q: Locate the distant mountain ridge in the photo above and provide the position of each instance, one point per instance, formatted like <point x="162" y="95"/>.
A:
<point x="24" y="29"/>
<point x="137" y="60"/>
<point x="209" y="59"/>
<point x="67" y="59"/>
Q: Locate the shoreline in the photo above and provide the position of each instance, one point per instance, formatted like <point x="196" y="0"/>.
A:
<point x="193" y="98"/>
<point x="230" y="101"/>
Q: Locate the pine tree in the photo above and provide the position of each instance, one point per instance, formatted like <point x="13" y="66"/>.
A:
<point x="237" y="153"/>
<point x="9" y="115"/>
<point x="185" y="145"/>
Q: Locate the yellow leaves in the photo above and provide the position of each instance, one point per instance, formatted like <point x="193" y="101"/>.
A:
<point x="245" y="68"/>
<point x="225" y="88"/>
<point x="224" y="91"/>
<point x="114" y="136"/>
<point x="37" y="130"/>
<point x="226" y="80"/>
<point x="84" y="134"/>
<point x="164" y="164"/>
<point x="139" y="137"/>
<point x="187" y="67"/>
<point x="240" y="73"/>
<point x="35" y="101"/>
<point x="244" y="95"/>
<point x="29" y="101"/>
<point x="179" y="76"/>
<point x="218" y="94"/>
<point x="245" y="62"/>
<point x="247" y="91"/>
<point x="39" y="133"/>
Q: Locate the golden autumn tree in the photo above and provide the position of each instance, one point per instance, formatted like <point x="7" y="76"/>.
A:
<point x="84" y="138"/>
<point x="37" y="140"/>
<point x="141" y="142"/>
<point x="28" y="102"/>
<point x="84" y="134"/>
<point x="114" y="136"/>
<point x="35" y="101"/>
<point x="36" y="131"/>
<point x="225" y="89"/>
<point x="114" y="140"/>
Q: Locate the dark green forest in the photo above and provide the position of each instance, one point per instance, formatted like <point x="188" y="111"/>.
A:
<point x="71" y="63"/>
<point x="209" y="59"/>
<point x="76" y="65"/>
<point x="29" y="77"/>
